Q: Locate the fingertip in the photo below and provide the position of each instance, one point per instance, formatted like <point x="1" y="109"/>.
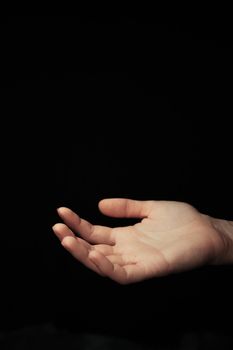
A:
<point x="94" y="255"/>
<point x="106" y="200"/>
<point x="97" y="258"/>
<point x="62" y="210"/>
<point x="106" y="204"/>
<point x="68" y="241"/>
<point x="56" y="226"/>
<point x="102" y="201"/>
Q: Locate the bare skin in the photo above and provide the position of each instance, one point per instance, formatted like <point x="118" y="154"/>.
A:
<point x="171" y="237"/>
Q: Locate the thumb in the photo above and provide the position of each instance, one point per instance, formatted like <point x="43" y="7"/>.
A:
<point x="125" y="208"/>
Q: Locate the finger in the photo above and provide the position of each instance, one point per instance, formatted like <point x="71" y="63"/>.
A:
<point x="109" y="269"/>
<point x="78" y="249"/>
<point x="62" y="231"/>
<point x="123" y="207"/>
<point x="116" y="259"/>
<point x="92" y="233"/>
<point x="104" y="249"/>
<point x="135" y="273"/>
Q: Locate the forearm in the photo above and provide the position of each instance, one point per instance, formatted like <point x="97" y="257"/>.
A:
<point x="225" y="230"/>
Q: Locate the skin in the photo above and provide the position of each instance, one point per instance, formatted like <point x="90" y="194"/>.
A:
<point x="171" y="237"/>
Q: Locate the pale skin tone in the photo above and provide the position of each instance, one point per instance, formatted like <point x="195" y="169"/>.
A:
<point x="171" y="237"/>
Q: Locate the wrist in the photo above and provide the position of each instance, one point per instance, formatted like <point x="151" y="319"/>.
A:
<point x="225" y="231"/>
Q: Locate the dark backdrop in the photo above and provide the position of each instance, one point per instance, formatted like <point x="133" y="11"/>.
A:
<point x="123" y="107"/>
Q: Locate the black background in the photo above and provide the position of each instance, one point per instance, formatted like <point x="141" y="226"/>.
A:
<point x="97" y="107"/>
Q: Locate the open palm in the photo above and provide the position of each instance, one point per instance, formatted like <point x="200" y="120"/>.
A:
<point x="171" y="237"/>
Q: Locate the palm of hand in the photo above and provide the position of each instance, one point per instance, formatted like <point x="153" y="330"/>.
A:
<point x="171" y="237"/>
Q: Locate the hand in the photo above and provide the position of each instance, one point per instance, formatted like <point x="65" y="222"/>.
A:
<point x="171" y="237"/>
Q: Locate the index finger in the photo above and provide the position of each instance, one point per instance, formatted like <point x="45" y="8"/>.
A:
<point x="96" y="234"/>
